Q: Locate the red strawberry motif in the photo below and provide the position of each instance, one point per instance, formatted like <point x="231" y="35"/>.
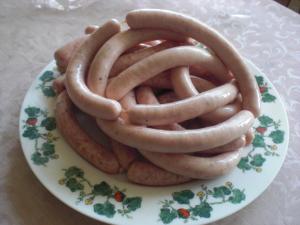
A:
<point x="262" y="89"/>
<point x="184" y="213"/>
<point x="31" y="121"/>
<point x="119" y="196"/>
<point x="261" y="130"/>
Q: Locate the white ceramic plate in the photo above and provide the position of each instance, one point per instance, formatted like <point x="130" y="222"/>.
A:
<point x="114" y="200"/>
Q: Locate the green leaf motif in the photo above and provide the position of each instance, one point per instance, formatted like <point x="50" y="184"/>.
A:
<point x="167" y="216"/>
<point x="237" y="196"/>
<point x="183" y="197"/>
<point x="106" y="209"/>
<point x="277" y="136"/>
<point x="74" y="185"/>
<point x="220" y="192"/>
<point x="243" y="164"/>
<point x="38" y="159"/>
<point x="266" y="97"/>
<point x="133" y="203"/>
<point x="32" y="111"/>
<point x="31" y="133"/>
<point x="259" y="80"/>
<point x="257" y="160"/>
<point x="48" y="91"/>
<point x="258" y="141"/>
<point x="74" y="172"/>
<point x="49" y="123"/>
<point x="202" y="210"/>
<point x="265" y="120"/>
<point x="47" y="76"/>
<point x="102" y="189"/>
<point x="48" y="149"/>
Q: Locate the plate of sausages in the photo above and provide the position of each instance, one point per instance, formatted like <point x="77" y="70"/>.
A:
<point x="157" y="119"/>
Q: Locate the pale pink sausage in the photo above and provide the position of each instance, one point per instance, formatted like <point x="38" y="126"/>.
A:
<point x="219" y="115"/>
<point x="178" y="141"/>
<point x="64" y="54"/>
<point x="129" y="59"/>
<point x="82" y="97"/>
<point x="184" y="87"/>
<point x="188" y="26"/>
<point x="59" y="84"/>
<point x="182" y="83"/>
<point x="139" y="171"/>
<point x="136" y="48"/>
<point x="159" y="62"/>
<point x="199" y="71"/>
<point x="223" y="113"/>
<point x="144" y="95"/>
<point x="202" y="84"/>
<point x="231" y="146"/>
<point x="187" y="165"/>
<point x="91" y="29"/>
<point x="112" y="49"/>
<point x="185" y="109"/>
<point x="125" y="154"/>
<point x="194" y="166"/>
<point x="142" y="172"/>
<point x="128" y="100"/>
<point x="161" y="81"/>
<point x="249" y="137"/>
<point x="79" y="140"/>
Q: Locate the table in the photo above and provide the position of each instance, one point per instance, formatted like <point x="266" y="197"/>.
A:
<point x="263" y="31"/>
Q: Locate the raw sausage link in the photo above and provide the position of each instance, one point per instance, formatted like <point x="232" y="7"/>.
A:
<point x="188" y="26"/>
<point x="159" y="62"/>
<point x="231" y="146"/>
<point x="146" y="173"/>
<point x="188" y="165"/>
<point x="82" y="97"/>
<point x="184" y="109"/>
<point x="182" y="83"/>
<point x="79" y="140"/>
<point x="223" y="113"/>
<point x="178" y="141"/>
<point x="140" y="171"/>
<point x="144" y="95"/>
<point x="64" y="54"/>
<point x="125" y="154"/>
<point x="184" y="88"/>
<point x="91" y="29"/>
<point x="249" y="137"/>
<point x="202" y="84"/>
<point x="129" y="59"/>
<point x="112" y="49"/>
<point x="59" y="84"/>
<point x="136" y="48"/>
<point x="161" y="81"/>
<point x="219" y="115"/>
<point x="194" y="166"/>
